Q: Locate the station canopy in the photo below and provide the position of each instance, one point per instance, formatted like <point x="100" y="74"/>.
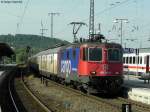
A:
<point x="5" y="50"/>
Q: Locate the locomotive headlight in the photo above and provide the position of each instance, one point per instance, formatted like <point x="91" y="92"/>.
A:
<point x="93" y="73"/>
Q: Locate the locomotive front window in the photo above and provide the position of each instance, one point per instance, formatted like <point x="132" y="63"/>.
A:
<point x="114" y="55"/>
<point x="95" y="54"/>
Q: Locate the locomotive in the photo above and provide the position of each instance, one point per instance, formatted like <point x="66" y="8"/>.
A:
<point x="93" y="66"/>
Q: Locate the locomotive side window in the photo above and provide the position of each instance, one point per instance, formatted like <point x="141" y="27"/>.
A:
<point x="95" y="54"/>
<point x="114" y="55"/>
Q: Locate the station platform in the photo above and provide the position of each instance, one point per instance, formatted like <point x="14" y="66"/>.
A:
<point x="137" y="89"/>
<point x="131" y="81"/>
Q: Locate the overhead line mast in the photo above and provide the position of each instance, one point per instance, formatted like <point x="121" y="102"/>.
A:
<point x="42" y="29"/>
<point x="92" y="35"/>
<point x="91" y="20"/>
<point x="52" y="14"/>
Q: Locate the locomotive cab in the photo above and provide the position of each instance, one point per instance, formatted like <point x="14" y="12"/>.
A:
<point x="100" y="61"/>
<point x="102" y="64"/>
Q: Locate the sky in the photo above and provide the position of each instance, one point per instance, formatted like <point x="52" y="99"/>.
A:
<point x="26" y="17"/>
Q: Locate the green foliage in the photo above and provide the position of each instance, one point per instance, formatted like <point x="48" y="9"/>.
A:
<point x="20" y="55"/>
<point x="21" y="42"/>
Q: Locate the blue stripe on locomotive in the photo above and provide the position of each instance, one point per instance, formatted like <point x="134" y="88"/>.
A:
<point x="69" y="61"/>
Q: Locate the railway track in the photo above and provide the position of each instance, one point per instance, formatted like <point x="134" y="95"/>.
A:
<point x="11" y="93"/>
<point x="113" y="104"/>
<point x="15" y="96"/>
<point x="7" y="103"/>
<point x="91" y="98"/>
<point x="30" y="101"/>
<point x="85" y="104"/>
<point x="100" y="104"/>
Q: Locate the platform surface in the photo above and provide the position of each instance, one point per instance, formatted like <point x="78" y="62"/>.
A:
<point x="137" y="89"/>
<point x="134" y="82"/>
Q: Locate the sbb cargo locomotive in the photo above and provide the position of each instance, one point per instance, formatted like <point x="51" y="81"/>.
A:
<point x="92" y="66"/>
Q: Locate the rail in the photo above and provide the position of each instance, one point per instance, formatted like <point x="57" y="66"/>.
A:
<point x="15" y="99"/>
<point x="36" y="99"/>
<point x="11" y="91"/>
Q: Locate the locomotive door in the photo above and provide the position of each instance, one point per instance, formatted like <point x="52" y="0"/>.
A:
<point x="147" y="63"/>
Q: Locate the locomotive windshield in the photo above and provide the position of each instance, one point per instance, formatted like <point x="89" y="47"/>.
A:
<point x="95" y="54"/>
<point x="114" y="55"/>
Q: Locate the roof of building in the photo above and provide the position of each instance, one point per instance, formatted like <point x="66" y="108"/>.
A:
<point x="6" y="50"/>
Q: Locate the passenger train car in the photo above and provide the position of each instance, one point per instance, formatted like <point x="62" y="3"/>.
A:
<point x="93" y="66"/>
<point x="137" y="64"/>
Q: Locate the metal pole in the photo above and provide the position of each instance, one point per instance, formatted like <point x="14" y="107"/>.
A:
<point x="99" y="28"/>
<point x="121" y="28"/>
<point x="52" y="22"/>
<point x="121" y="31"/>
<point x="51" y="25"/>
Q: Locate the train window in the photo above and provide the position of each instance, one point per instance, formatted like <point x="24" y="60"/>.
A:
<point x="85" y="54"/>
<point x="134" y="60"/>
<point x="123" y="59"/>
<point x="130" y="60"/>
<point x="95" y="54"/>
<point x="127" y="60"/>
<point x="51" y="58"/>
<point x="114" y="55"/>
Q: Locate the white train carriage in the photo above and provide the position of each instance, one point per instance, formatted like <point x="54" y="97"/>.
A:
<point x="134" y="64"/>
<point x="47" y="61"/>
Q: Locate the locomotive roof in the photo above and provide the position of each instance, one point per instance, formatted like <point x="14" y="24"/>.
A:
<point x="90" y="44"/>
<point x="54" y="50"/>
